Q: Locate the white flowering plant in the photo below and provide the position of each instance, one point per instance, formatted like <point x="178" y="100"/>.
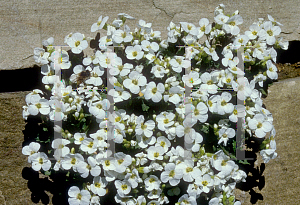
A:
<point x="169" y="147"/>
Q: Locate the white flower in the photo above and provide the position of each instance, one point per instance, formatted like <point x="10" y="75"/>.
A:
<point x="272" y="70"/>
<point x="97" y="108"/>
<point x="88" y="145"/>
<point x="134" y="82"/>
<point x="39" y="105"/>
<point x="149" y="46"/>
<point x="108" y="164"/>
<point x="211" y="51"/>
<point x="31" y="149"/>
<point x="154" y="92"/>
<point x="123" y="187"/>
<point x="98" y="186"/>
<point x="225" y="134"/>
<point x="71" y="160"/>
<point x="144" y="141"/>
<point x="77" y="43"/>
<point x="163" y="142"/>
<point x="60" y="148"/>
<point x="122" y="36"/>
<point x="40" y="56"/>
<point x="77" y="197"/>
<point x="122" y="161"/>
<point x="205" y="27"/>
<point x="152" y="182"/>
<point x="191" y="79"/>
<point x="178" y="62"/>
<point x="187" y="200"/>
<point x="155" y="153"/>
<point x="189" y="28"/>
<point x="172" y="174"/>
<point x="92" y="166"/>
<point x="231" y="24"/>
<point x="221" y="19"/>
<point x="40" y="160"/>
<point x="189" y="171"/>
<point x="95" y="78"/>
<point x="241" y="40"/>
<point x="100" y="24"/>
<point x="134" y="52"/>
<point x="260" y="125"/>
<point x="79" y="137"/>
<point x="223" y="106"/>
<point x="254" y="30"/>
<point x="155" y="193"/>
<point x="158" y="71"/>
<point x="205" y="182"/>
<point x="200" y="112"/>
<point x="260" y="78"/>
<point x="270" y="32"/>
<point x="60" y="59"/>
<point x="119" y="94"/>
<point x="268" y="154"/>
<point x="133" y="178"/>
<point x="165" y="120"/>
<point x="186" y="130"/>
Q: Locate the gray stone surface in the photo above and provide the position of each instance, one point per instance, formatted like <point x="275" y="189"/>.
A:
<point x="25" y="23"/>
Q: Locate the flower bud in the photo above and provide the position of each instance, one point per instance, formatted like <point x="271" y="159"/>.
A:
<point x="70" y="100"/>
<point x="130" y="130"/>
<point x="154" y="116"/>
<point x="133" y="143"/>
<point x="47" y="87"/>
<point x="69" y="135"/>
<point x="73" y="150"/>
<point x="76" y="114"/>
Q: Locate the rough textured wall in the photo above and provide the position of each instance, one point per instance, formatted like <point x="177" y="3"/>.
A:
<point x="25" y="23"/>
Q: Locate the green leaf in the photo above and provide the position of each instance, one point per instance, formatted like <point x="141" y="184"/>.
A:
<point x="48" y="173"/>
<point x="244" y="161"/>
<point x="263" y="91"/>
<point x="45" y="129"/>
<point x="205" y="129"/>
<point x="234" y="145"/>
<point x="145" y="107"/>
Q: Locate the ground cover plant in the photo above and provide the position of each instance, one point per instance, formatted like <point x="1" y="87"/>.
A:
<point x="172" y="134"/>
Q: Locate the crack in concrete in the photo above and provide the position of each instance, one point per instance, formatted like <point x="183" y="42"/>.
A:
<point x="163" y="10"/>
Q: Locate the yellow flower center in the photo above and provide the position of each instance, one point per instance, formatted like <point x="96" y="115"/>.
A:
<point x="79" y="196"/>
<point x="156" y="154"/>
<point x="97" y="184"/>
<point x="120" y="161"/>
<point x="196" y="111"/>
<point x="151" y="180"/>
<point x="232" y="23"/>
<point x="124" y="186"/>
<point x="172" y="173"/>
<point x="41" y="161"/>
<point x="204" y="183"/>
<point x="270" y="32"/>
<point x="73" y="161"/>
<point x="77" y="43"/>
<point x="135" y="82"/>
<point x="254" y="33"/>
<point x="38" y="105"/>
<point x="162" y="143"/>
<point x="259" y="125"/>
<point x="223" y="103"/>
<point x="166" y="121"/>
<point x="154" y="90"/>
<point x="224" y="135"/>
<point x="134" y="53"/>
<point x="223" y="163"/>
<point x="90" y="145"/>
<point x="189" y="169"/>
<point x="107" y="162"/>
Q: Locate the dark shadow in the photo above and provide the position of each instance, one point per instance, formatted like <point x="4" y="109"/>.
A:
<point x="291" y="55"/>
<point x="256" y="179"/>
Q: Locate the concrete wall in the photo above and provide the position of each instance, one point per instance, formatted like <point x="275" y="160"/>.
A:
<point x="25" y="23"/>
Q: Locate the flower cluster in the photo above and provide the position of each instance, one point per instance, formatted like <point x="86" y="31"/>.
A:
<point x="169" y="146"/>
